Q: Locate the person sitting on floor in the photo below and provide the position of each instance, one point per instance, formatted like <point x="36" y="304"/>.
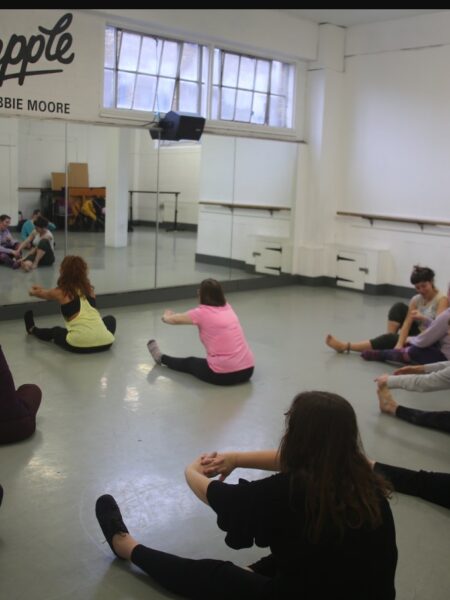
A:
<point x="437" y="377"/>
<point x="42" y="243"/>
<point x="324" y="515"/>
<point x="9" y="246"/>
<point x="403" y="320"/>
<point x="432" y="345"/>
<point x="85" y="330"/>
<point x="28" y="225"/>
<point x="229" y="360"/>
<point x="18" y="408"/>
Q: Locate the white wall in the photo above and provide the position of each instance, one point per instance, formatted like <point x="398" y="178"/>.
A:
<point x="179" y="168"/>
<point x="396" y="145"/>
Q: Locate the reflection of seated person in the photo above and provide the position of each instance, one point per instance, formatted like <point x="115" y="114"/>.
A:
<point x="9" y="247"/>
<point x="28" y="226"/>
<point x="81" y="206"/>
<point x="43" y="247"/>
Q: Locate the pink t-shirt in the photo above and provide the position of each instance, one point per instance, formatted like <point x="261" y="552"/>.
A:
<point x="221" y="333"/>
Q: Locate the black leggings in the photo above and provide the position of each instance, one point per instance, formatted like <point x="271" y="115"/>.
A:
<point x="204" y="579"/>
<point x="425" y="418"/>
<point x="58" y="335"/>
<point x="18" y="408"/>
<point x="48" y="257"/>
<point x="199" y="368"/>
<point x="434" y="487"/>
<point x="397" y="313"/>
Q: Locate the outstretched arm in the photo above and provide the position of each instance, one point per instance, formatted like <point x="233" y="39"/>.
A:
<point x="50" y="294"/>
<point x="224" y="463"/>
<point x="176" y="318"/>
<point x="197" y="480"/>
<point x="199" y="473"/>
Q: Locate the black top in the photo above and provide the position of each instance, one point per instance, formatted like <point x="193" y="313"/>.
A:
<point x="73" y="307"/>
<point x="360" y="566"/>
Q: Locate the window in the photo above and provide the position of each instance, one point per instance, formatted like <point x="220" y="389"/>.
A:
<point x="147" y="73"/>
<point x="252" y="90"/>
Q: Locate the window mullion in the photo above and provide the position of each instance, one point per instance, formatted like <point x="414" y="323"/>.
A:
<point x="136" y="72"/>
<point x="176" y="87"/>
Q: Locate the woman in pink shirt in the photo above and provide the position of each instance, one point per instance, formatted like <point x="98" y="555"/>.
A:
<point x="229" y="359"/>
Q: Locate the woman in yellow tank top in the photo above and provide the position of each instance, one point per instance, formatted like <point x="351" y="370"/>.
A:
<point x="85" y="329"/>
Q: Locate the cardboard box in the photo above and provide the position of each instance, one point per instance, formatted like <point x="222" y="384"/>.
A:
<point x="58" y="181"/>
<point x="78" y="175"/>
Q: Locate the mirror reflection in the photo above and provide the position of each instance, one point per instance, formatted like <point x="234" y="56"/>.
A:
<point x="146" y="213"/>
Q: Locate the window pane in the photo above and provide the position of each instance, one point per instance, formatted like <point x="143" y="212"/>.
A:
<point x="215" y="103"/>
<point x="169" y="62"/>
<point x="125" y="89"/>
<point x="278" y="81"/>
<point x="129" y="51"/>
<point x="149" y="56"/>
<point x="188" y="100"/>
<point x="144" y="94"/>
<point x="243" y="106"/>
<point x="230" y="70"/>
<point x="227" y="104"/>
<point x="165" y="95"/>
<point x="203" y="93"/>
<point x="108" y="88"/>
<point x="189" y="62"/>
<point x="110" y="47"/>
<point x="246" y="73"/>
<point x="277" y="113"/>
<point x="216" y="66"/>
<point x="259" y="108"/>
<point x="262" y="76"/>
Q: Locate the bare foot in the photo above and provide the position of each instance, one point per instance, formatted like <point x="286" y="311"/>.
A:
<point x="124" y="544"/>
<point x="336" y="344"/>
<point x="387" y="403"/>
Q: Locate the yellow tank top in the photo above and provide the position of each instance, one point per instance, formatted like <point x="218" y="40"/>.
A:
<point x="87" y="329"/>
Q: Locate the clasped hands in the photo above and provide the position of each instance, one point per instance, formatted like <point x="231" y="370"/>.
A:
<point x="213" y="464"/>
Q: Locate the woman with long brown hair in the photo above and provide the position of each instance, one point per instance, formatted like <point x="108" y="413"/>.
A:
<point x="324" y="516"/>
<point x="85" y="330"/>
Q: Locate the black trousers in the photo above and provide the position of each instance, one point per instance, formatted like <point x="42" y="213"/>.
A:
<point x="397" y="313"/>
<point x="58" y="336"/>
<point x="18" y="408"/>
<point x="425" y="418"/>
<point x="199" y="368"/>
<point x="434" y="487"/>
<point x="204" y="579"/>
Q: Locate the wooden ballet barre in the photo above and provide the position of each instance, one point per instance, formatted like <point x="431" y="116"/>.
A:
<point x="418" y="221"/>
<point x="232" y="206"/>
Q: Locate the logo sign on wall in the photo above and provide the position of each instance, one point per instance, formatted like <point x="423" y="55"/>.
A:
<point x="42" y="62"/>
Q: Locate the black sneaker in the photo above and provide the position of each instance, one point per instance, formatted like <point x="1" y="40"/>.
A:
<point x="109" y="518"/>
<point x="29" y="321"/>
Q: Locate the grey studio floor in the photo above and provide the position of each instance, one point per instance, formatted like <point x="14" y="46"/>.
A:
<point x="116" y="423"/>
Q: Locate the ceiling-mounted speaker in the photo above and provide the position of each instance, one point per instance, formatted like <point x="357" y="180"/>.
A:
<point x="178" y="126"/>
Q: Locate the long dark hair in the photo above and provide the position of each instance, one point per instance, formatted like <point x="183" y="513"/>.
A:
<point x="322" y="452"/>
<point x="73" y="279"/>
<point x="211" y="293"/>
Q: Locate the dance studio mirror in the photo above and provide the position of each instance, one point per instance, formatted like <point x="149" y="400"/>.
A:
<point x="145" y="213"/>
